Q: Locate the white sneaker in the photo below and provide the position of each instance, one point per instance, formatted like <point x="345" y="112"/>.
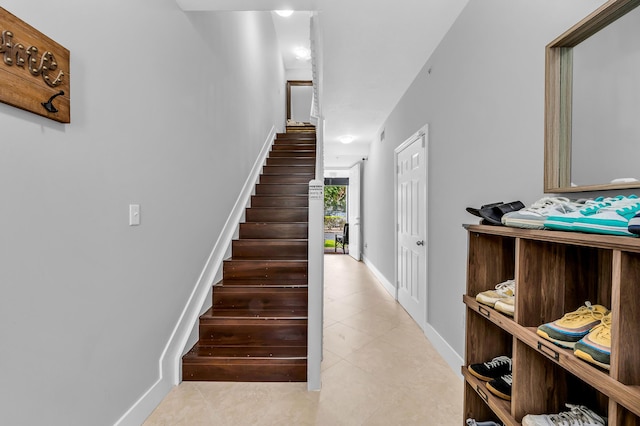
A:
<point x="473" y="422"/>
<point x="564" y="222"/>
<point x="611" y="220"/>
<point x="534" y="216"/>
<point x="578" y="415"/>
<point x="502" y="290"/>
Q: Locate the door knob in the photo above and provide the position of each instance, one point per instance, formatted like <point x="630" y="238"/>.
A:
<point x="420" y="243"/>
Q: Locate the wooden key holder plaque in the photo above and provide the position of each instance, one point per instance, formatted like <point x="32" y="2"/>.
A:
<point x="34" y="70"/>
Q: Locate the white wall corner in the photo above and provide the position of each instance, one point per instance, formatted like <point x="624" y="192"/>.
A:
<point x="445" y="350"/>
<point x="138" y="412"/>
<point x="451" y="357"/>
<point x="169" y="364"/>
<point x="391" y="289"/>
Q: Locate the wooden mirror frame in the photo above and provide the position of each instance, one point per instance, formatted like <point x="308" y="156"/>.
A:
<point x="558" y="95"/>
<point x="291" y="83"/>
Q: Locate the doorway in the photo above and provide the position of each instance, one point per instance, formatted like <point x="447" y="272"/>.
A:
<point x="411" y="219"/>
<point x="299" y="101"/>
<point x="335" y="214"/>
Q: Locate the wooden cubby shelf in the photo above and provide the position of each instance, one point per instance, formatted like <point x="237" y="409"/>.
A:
<point x="500" y="407"/>
<point x="555" y="273"/>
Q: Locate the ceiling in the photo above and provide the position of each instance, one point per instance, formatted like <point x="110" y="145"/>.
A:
<point x="372" y="51"/>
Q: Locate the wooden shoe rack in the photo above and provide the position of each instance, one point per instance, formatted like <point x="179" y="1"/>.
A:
<point x="555" y="273"/>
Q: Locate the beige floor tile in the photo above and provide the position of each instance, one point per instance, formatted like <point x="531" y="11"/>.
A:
<point x="378" y="369"/>
<point x="338" y="310"/>
<point x="329" y="359"/>
<point x="371" y="324"/>
<point x="342" y="339"/>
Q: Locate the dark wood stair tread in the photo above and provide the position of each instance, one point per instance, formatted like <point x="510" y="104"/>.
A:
<point x="245" y="364"/>
<point x="276" y="214"/>
<point x="275" y="200"/>
<point x="202" y="353"/>
<point x="263" y="283"/>
<point x="245" y="316"/>
<point x="266" y="315"/>
<point x="255" y="248"/>
<point x="284" y="230"/>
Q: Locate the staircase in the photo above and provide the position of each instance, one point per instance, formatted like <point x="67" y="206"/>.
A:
<point x="256" y="329"/>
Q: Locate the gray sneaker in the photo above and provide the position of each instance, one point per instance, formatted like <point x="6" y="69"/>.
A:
<point x="578" y="415"/>
<point x="534" y="216"/>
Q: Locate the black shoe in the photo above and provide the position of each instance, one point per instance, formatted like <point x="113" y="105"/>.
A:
<point x="634" y="224"/>
<point x="494" y="214"/>
<point x="499" y="366"/>
<point x="501" y="387"/>
<point x="476" y="212"/>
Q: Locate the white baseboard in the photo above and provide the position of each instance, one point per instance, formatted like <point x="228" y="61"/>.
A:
<point x="451" y="357"/>
<point x="169" y="362"/>
<point x="138" y="413"/>
<point x="445" y="350"/>
<point x="391" y="289"/>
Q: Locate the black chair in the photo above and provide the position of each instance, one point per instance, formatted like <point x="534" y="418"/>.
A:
<point x="342" y="239"/>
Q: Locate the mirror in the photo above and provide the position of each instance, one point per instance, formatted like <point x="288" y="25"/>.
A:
<point x="592" y="102"/>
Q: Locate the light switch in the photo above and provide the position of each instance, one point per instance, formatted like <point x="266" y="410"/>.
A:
<point x="134" y="214"/>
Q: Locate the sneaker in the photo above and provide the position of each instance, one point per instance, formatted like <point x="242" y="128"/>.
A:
<point x="578" y="415"/>
<point x="595" y="347"/>
<point x="564" y="222"/>
<point x="634" y="224"/>
<point x="502" y="290"/>
<point x="611" y="220"/>
<point x="473" y="422"/>
<point x="501" y="387"/>
<point x="493" y="369"/>
<point x="573" y="326"/>
<point x="534" y="216"/>
<point x="506" y="305"/>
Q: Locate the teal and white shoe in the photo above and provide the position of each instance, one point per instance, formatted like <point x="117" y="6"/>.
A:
<point x="534" y="216"/>
<point x="564" y="222"/>
<point x="610" y="220"/>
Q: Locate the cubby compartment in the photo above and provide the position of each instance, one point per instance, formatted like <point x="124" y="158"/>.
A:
<point x="619" y="415"/>
<point x="625" y="352"/>
<point x="485" y="341"/>
<point x="491" y="261"/>
<point x="481" y="405"/>
<point x="553" y="279"/>
<point x="555" y="273"/>
<point x="541" y="386"/>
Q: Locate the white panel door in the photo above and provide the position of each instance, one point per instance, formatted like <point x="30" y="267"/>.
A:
<point x="412" y="233"/>
<point x="354" y="212"/>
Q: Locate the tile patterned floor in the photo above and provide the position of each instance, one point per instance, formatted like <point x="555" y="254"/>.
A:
<point x="378" y="369"/>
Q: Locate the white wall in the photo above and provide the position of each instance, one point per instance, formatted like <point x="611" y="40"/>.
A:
<point x="169" y="110"/>
<point x="298" y="74"/>
<point x="482" y="94"/>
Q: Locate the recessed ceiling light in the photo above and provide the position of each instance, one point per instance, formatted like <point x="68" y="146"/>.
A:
<point x="284" y="13"/>
<point x="302" y="53"/>
<point x="346" y="139"/>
